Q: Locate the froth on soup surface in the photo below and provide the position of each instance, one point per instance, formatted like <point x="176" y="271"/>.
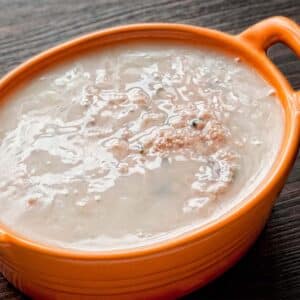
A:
<point x="130" y="145"/>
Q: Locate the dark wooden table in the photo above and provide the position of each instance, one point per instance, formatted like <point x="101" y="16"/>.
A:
<point x="271" y="270"/>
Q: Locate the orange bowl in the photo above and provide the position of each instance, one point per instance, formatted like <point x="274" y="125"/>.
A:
<point x="172" y="268"/>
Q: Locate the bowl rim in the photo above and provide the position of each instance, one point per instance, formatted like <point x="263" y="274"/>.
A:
<point x="272" y="178"/>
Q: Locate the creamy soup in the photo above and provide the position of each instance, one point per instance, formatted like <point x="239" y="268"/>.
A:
<point x="130" y="145"/>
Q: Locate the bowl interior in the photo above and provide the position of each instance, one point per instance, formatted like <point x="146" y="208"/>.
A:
<point x="183" y="34"/>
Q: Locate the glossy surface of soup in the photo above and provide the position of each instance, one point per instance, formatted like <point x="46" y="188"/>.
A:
<point x="134" y="144"/>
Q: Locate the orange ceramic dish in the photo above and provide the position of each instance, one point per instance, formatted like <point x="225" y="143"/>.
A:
<point x="177" y="266"/>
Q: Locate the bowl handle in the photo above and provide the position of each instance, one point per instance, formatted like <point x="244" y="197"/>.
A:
<point x="273" y="30"/>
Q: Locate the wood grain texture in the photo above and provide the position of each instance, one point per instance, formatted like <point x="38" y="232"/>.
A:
<point x="271" y="270"/>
